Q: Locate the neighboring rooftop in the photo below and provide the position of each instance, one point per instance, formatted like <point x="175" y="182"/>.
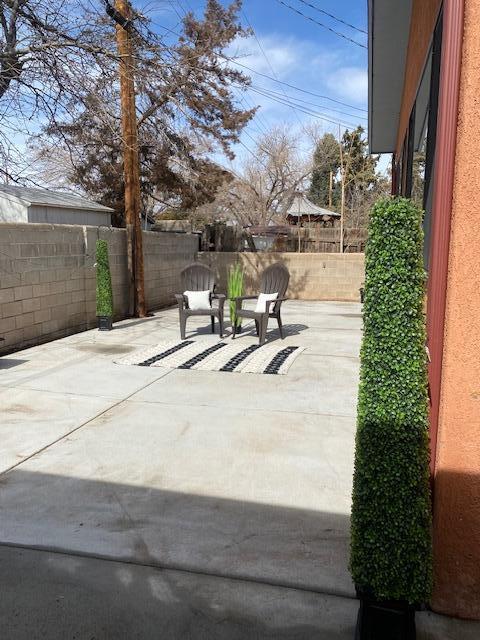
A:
<point x="302" y="206"/>
<point x="49" y="198"/>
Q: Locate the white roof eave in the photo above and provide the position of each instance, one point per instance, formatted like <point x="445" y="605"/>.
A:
<point x="388" y="34"/>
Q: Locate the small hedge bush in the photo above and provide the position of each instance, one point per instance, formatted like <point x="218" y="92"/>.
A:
<point x="104" y="281"/>
<point x="391" y="511"/>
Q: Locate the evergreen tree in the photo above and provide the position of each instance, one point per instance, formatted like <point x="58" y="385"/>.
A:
<point x="360" y="166"/>
<point x="326" y="160"/>
<point x="418" y="178"/>
<point x="186" y="110"/>
<point x="363" y="185"/>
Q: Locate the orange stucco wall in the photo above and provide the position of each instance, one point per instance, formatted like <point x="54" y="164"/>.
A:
<point x="457" y="481"/>
<point x="422" y="24"/>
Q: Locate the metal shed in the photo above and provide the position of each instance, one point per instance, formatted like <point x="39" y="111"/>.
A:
<point x="23" y="204"/>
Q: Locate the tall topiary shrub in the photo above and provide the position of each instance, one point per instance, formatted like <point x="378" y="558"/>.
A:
<point x="391" y="511"/>
<point x="234" y="290"/>
<point x="104" y="281"/>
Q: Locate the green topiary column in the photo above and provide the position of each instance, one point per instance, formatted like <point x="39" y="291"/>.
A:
<point x="391" y="511"/>
<point x="235" y="289"/>
<point x="104" y="281"/>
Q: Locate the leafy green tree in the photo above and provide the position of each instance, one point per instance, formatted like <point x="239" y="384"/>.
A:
<point x="326" y="164"/>
<point x="348" y="161"/>
<point x="362" y="183"/>
<point x="418" y="178"/>
<point x="359" y="167"/>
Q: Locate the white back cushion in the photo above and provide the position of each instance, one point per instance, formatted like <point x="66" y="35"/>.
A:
<point x="198" y="300"/>
<point x="262" y="299"/>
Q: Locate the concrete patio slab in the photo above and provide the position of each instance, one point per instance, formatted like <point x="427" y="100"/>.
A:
<point x="95" y="377"/>
<point x="56" y="596"/>
<point x="239" y="485"/>
<point x="208" y="495"/>
<point x="32" y="420"/>
<point x="314" y="384"/>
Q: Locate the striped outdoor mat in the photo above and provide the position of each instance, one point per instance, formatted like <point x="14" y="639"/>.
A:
<point x="218" y="356"/>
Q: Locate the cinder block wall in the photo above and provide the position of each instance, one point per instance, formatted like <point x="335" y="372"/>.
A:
<point x="165" y="255"/>
<point x="47" y="277"/>
<point x="313" y="276"/>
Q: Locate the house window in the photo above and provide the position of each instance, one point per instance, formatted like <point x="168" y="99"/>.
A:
<point x="414" y="172"/>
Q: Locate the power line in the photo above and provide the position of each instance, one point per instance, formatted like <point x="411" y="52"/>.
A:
<point x="292" y="86"/>
<point x="288" y="101"/>
<point x="260" y="124"/>
<point x="268" y="62"/>
<point x="254" y="155"/>
<point x="330" y="15"/>
<point x="264" y="75"/>
<point x="320" y="24"/>
<point x="306" y="110"/>
<point x="293" y="98"/>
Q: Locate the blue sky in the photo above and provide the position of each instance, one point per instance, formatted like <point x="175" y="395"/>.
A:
<point x="289" y="48"/>
<point x="296" y="51"/>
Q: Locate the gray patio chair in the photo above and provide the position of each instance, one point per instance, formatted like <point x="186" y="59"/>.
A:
<point x="198" y="277"/>
<point x="274" y="280"/>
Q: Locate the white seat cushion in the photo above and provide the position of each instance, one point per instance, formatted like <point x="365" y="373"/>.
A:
<point x="262" y="299"/>
<point x="198" y="300"/>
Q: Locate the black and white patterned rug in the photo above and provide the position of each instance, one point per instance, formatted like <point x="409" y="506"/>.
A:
<point x="217" y="356"/>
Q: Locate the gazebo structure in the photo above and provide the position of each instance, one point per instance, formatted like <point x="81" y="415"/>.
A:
<point x="303" y="210"/>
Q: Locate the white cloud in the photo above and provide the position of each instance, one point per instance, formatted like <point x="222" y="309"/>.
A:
<point x="306" y="64"/>
<point x="280" y="54"/>
<point x="349" y="83"/>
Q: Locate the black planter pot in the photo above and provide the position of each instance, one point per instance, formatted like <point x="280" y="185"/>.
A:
<point x="104" y="323"/>
<point x="238" y="328"/>
<point x="362" y="294"/>
<point x="385" y="620"/>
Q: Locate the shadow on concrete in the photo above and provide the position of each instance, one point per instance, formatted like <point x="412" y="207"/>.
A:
<point x="10" y="363"/>
<point x="248" y="329"/>
<point x="57" y="583"/>
<point x="57" y="596"/>
<point x="106" y="560"/>
<point x="225" y="537"/>
<point x="345" y="315"/>
<point x="127" y="324"/>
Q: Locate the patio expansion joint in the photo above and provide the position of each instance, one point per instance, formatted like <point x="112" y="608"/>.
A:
<point x="311" y="354"/>
<point x="80" y="426"/>
<point x="246" y="410"/>
<point x="47" y="370"/>
<point x="161" y="566"/>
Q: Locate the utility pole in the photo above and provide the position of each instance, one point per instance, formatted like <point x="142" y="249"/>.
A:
<point x="299" y="225"/>
<point x="330" y="187"/>
<point x="122" y="15"/>
<point x="342" y="201"/>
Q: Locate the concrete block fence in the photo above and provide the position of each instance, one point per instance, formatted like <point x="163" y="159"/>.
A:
<point x="313" y="276"/>
<point x="47" y="277"/>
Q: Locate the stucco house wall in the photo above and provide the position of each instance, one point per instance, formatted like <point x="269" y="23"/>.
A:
<point x="457" y="480"/>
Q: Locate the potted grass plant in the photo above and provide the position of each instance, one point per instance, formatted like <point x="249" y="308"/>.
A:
<point x="104" y="287"/>
<point x="235" y="289"/>
<point x="391" y="512"/>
